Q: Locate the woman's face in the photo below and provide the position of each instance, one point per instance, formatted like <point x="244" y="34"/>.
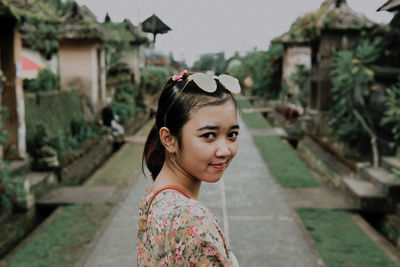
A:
<point x="209" y="142"/>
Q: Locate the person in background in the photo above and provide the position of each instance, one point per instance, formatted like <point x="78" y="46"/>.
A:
<point x="109" y="120"/>
<point x="193" y="140"/>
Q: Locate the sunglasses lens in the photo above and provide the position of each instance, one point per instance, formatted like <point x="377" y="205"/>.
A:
<point x="204" y="81"/>
<point x="230" y="83"/>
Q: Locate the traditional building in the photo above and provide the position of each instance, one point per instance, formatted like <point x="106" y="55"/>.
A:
<point x="11" y="90"/>
<point x="134" y="58"/>
<point x="341" y="28"/>
<point x="81" y="59"/>
<point x="38" y="54"/>
<point x="390" y="42"/>
<point x="320" y="34"/>
<point x="392" y="6"/>
<point x="297" y="54"/>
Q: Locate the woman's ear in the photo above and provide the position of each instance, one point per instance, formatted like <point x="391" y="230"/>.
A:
<point x="169" y="141"/>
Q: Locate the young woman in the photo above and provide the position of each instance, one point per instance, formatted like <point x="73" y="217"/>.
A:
<point x="193" y="140"/>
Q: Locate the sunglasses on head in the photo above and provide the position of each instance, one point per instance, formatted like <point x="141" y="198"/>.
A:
<point x="208" y="84"/>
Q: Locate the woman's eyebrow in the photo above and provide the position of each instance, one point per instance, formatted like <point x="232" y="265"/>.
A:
<point x="211" y="127"/>
<point x="208" y="127"/>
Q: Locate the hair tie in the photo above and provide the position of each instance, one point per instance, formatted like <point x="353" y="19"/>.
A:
<point x="178" y="77"/>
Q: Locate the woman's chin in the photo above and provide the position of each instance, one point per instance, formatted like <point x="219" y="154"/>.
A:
<point x="213" y="178"/>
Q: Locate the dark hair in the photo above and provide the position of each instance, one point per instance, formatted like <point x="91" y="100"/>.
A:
<point x="191" y="99"/>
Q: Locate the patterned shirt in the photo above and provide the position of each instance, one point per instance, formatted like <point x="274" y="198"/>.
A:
<point x="179" y="232"/>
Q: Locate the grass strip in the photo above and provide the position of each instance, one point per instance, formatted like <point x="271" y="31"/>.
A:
<point x="340" y="241"/>
<point x="284" y="163"/>
<point x="255" y="121"/>
<point x="124" y="166"/>
<point x="243" y="103"/>
<point x="65" y="239"/>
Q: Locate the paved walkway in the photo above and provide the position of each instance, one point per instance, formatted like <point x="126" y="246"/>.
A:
<point x="250" y="206"/>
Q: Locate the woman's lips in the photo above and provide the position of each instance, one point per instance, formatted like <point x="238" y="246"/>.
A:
<point x="219" y="166"/>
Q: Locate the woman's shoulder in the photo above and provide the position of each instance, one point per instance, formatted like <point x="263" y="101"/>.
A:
<point x="172" y="203"/>
<point x="193" y="233"/>
<point x="188" y="228"/>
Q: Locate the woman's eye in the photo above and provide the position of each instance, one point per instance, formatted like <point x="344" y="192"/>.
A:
<point x="208" y="135"/>
<point x="233" y="134"/>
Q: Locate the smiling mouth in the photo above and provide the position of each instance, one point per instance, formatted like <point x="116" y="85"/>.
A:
<point x="219" y="166"/>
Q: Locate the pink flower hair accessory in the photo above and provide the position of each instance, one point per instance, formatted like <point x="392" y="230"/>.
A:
<point x="178" y="77"/>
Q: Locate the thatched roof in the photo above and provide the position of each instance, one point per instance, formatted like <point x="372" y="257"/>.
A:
<point x="155" y="25"/>
<point x="28" y="10"/>
<point x="391" y="5"/>
<point x="333" y="14"/>
<point x="38" y="22"/>
<point x="139" y="36"/>
<point x="80" y="23"/>
<point x="123" y="34"/>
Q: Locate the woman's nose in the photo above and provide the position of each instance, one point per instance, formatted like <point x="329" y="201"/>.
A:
<point x="223" y="149"/>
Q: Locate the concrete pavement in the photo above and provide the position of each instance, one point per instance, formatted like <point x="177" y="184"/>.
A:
<point x="249" y="204"/>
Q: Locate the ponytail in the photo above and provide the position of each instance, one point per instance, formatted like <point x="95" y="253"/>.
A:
<point x="154" y="153"/>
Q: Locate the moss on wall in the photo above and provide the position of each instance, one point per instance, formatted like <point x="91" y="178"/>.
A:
<point x="55" y="110"/>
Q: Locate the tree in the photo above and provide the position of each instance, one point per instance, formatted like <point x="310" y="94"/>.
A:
<point x="351" y="118"/>
<point x="392" y="113"/>
<point x="215" y="62"/>
<point x="264" y="67"/>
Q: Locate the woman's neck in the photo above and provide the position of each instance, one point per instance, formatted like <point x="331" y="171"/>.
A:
<point x="172" y="174"/>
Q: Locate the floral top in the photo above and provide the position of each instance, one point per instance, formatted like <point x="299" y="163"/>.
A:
<point x="179" y="232"/>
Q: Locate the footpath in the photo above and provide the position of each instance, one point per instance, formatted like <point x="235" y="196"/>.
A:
<point x="250" y="206"/>
<point x="270" y="215"/>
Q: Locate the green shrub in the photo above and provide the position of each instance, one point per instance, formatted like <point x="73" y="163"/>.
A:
<point x="67" y="147"/>
<point x="264" y="67"/>
<point x="215" y="62"/>
<point x="55" y="110"/>
<point x="124" y="111"/>
<point x="392" y="113"/>
<point x="154" y="78"/>
<point x="39" y="139"/>
<point x="11" y="187"/>
<point x="67" y="144"/>
<point x="127" y="102"/>
<point x="45" y="81"/>
<point x="56" y="119"/>
<point x="299" y="78"/>
<point x="82" y="130"/>
<point x="353" y="90"/>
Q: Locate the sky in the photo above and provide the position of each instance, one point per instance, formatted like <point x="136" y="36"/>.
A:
<point x="209" y="26"/>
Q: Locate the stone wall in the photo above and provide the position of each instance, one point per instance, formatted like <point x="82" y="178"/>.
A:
<point x="55" y="110"/>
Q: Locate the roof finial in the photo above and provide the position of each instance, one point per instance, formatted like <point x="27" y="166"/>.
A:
<point x="340" y="2"/>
